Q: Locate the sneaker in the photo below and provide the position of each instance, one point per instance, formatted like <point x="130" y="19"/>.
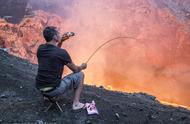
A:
<point x="78" y="106"/>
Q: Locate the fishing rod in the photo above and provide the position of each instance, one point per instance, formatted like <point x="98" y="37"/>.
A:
<point x="106" y="42"/>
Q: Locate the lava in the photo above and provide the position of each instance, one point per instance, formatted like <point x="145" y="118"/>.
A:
<point x="174" y="104"/>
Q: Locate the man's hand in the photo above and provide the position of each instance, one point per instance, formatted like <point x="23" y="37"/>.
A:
<point x="83" y="66"/>
<point x="63" y="38"/>
<point x="76" y="68"/>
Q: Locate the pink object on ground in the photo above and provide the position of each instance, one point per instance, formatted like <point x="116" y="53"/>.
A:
<point x="91" y="108"/>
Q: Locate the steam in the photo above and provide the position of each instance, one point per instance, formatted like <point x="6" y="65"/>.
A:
<point x="158" y="63"/>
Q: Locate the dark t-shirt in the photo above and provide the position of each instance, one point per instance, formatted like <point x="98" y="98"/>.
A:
<point x="51" y="61"/>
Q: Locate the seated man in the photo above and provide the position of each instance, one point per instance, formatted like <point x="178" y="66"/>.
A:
<point x="51" y="61"/>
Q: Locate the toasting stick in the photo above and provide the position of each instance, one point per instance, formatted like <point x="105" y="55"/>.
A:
<point x="97" y="49"/>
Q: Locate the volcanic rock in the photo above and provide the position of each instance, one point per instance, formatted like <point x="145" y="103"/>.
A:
<point x="117" y="116"/>
<point x="3" y="96"/>
<point x="22" y="107"/>
<point x="23" y="39"/>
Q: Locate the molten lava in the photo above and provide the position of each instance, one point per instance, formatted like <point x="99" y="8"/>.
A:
<point x="158" y="63"/>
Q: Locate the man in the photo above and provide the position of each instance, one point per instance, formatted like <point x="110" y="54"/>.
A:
<point x="51" y="62"/>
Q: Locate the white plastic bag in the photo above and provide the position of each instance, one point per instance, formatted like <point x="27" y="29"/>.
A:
<point x="91" y="108"/>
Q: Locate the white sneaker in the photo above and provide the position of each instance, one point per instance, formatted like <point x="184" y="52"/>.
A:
<point x="78" y="106"/>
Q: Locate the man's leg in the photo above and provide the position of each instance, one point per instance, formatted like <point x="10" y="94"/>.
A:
<point x="74" y="80"/>
<point x="78" y="90"/>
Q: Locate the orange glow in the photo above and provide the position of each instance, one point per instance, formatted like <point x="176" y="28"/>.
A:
<point x="157" y="64"/>
<point x="109" y="87"/>
<point x="174" y="104"/>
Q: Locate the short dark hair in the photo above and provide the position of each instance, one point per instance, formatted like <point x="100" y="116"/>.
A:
<point x="49" y="33"/>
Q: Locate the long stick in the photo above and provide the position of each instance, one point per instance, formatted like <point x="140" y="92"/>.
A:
<point x="97" y="49"/>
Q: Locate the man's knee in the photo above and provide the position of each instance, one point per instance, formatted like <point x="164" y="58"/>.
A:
<point x="81" y="74"/>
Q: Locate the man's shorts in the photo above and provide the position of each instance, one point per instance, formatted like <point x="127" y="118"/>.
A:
<point x="69" y="82"/>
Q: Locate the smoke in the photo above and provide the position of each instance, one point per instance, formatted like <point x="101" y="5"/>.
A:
<point x="158" y="63"/>
<point x="60" y="7"/>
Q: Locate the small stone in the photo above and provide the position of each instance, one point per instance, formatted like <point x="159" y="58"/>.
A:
<point x="21" y="87"/>
<point x="4" y="76"/>
<point x="101" y="87"/>
<point x="4" y="49"/>
<point x="88" y="122"/>
<point x="39" y="122"/>
<point x="183" y="118"/>
<point x="171" y="119"/>
<point x="75" y="116"/>
<point x="141" y="109"/>
<point x="133" y="104"/>
<point x="20" y="99"/>
<point x="98" y="96"/>
<point x="153" y="117"/>
<point x="3" y="96"/>
<point x="124" y="114"/>
<point x="1" y="121"/>
<point x="117" y="106"/>
<point x="117" y="116"/>
<point x="149" y="116"/>
<point x="12" y="65"/>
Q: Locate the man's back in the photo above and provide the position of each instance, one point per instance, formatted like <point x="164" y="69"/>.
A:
<point x="51" y="61"/>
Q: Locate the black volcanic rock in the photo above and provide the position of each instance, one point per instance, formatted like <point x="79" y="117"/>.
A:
<point x="26" y="105"/>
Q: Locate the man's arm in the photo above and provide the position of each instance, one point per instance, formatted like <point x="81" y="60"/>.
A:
<point x="76" y="68"/>
<point x="62" y="40"/>
<point x="60" y="44"/>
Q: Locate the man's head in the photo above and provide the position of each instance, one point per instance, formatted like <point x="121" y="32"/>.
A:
<point x="51" y="34"/>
